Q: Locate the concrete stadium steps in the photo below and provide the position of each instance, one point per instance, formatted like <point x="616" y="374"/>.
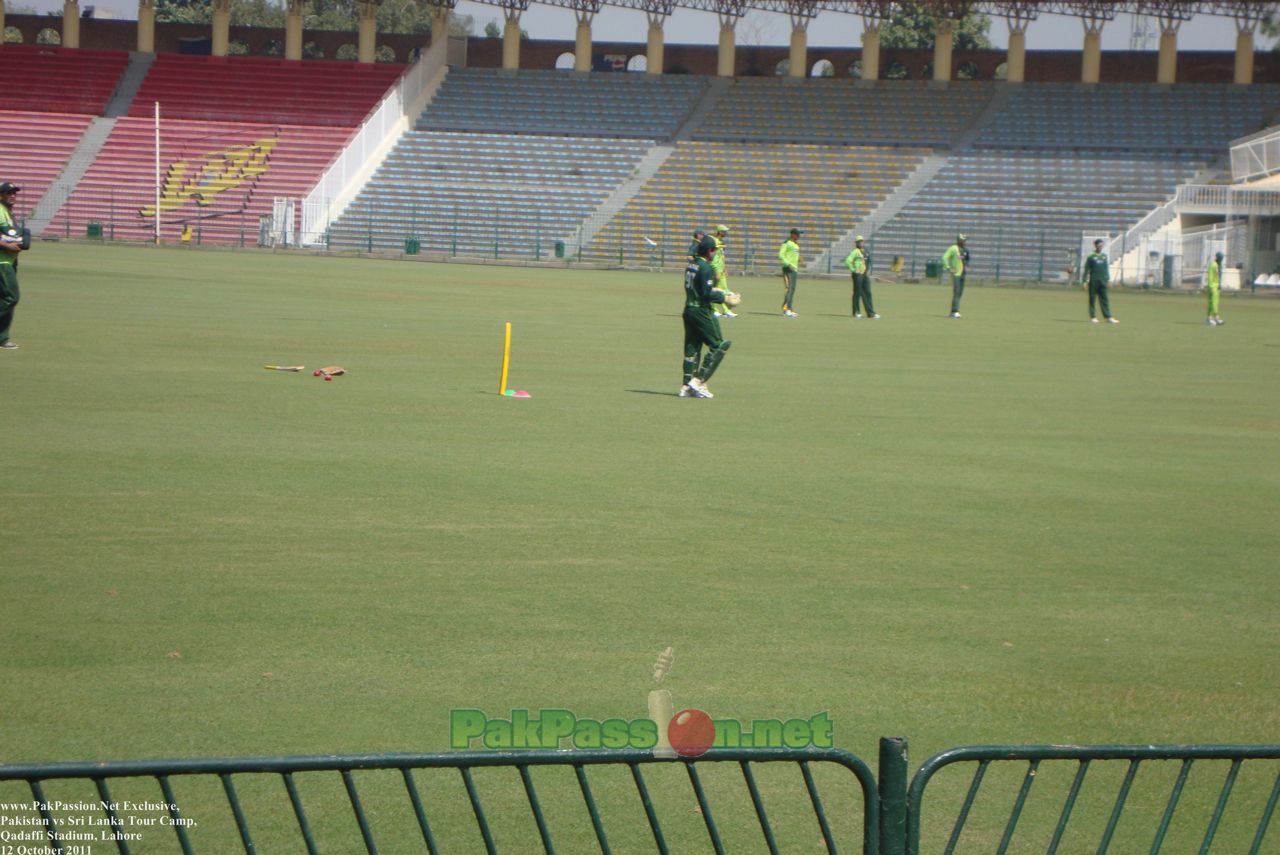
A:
<point x="119" y="184"/>
<point x="563" y="103"/>
<point x="256" y="89"/>
<point x="760" y="192"/>
<point x="845" y="112"/>
<point x="37" y="146"/>
<point x="463" y="193"/>
<point x="1025" y="211"/>
<point x="47" y="78"/>
<point x="1199" y="118"/>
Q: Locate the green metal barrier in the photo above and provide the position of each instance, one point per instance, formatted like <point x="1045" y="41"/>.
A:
<point x="1134" y="755"/>
<point x="230" y="772"/>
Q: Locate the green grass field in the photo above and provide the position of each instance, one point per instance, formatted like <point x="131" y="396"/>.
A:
<point x="1012" y="528"/>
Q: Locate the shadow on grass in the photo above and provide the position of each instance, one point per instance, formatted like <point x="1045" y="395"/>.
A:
<point x="653" y="392"/>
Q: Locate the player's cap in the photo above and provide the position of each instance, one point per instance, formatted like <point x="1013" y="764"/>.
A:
<point x="9" y="187"/>
<point x="1099" y="242"/>
<point x="706" y="244"/>
<point x="699" y="231"/>
<point x="1218" y="256"/>
<point x="722" y="228"/>
<point x="962" y="237"/>
<point x="796" y="232"/>
<point x="859" y="239"/>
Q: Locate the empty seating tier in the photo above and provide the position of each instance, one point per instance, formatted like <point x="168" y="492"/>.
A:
<point x="261" y="90"/>
<point x="1199" y="118"/>
<point x="843" y="112"/>
<point x="37" y="146"/>
<point x="1024" y="213"/>
<point x="220" y="177"/>
<point x="489" y="195"/>
<point x="563" y="103"/>
<point x="760" y="192"/>
<point x="59" y="80"/>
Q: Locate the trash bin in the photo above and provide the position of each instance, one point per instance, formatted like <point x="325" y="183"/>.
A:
<point x="93" y="230"/>
<point x="1167" y="273"/>
<point x="411" y="246"/>
<point x="932" y="268"/>
<point x="559" y="249"/>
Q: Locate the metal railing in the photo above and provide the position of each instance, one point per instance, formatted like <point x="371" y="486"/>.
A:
<point x="1086" y="757"/>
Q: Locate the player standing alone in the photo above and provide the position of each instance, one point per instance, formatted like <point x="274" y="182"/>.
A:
<point x="857" y="261"/>
<point x="1097" y="275"/>
<point x="955" y="260"/>
<point x="700" y="324"/>
<point x="1213" y="288"/>
<point x="789" y="255"/>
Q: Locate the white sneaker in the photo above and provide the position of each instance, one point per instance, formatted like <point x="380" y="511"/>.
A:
<point x="1093" y="320"/>
<point x="685" y="392"/>
<point x="1220" y="322"/>
<point x="1210" y="322"/>
<point x="858" y="315"/>
<point x="954" y="315"/>
<point x="698" y="389"/>
<point x="1113" y="320"/>
<point x="789" y="314"/>
<point x="729" y="315"/>
<point x="875" y="317"/>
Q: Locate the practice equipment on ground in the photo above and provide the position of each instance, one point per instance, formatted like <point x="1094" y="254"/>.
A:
<point x="284" y="367"/>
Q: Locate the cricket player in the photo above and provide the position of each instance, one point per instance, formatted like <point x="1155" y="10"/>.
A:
<point x="953" y="261"/>
<point x="692" y="252"/>
<point x="1213" y="287"/>
<point x="858" y="263"/>
<point x="700" y="324"/>
<point x="1097" y="274"/>
<point x="722" y="275"/>
<point x="11" y="243"/>
<point x="789" y="255"/>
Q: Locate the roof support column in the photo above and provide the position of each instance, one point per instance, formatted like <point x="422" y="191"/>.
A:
<point x="582" y="38"/>
<point x="944" y="35"/>
<point x="870" y="49"/>
<point x="293" y="29"/>
<point x="146" y="25"/>
<point x="221" y="36"/>
<point x="367" y="32"/>
<point x="71" y="23"/>
<point x="511" y="37"/>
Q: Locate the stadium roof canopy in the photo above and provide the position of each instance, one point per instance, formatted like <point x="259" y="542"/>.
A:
<point x="1247" y="11"/>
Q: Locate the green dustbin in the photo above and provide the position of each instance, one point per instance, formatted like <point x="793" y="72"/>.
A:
<point x="411" y="246"/>
<point x="932" y="268"/>
<point x="93" y="230"/>
<point x="559" y="249"/>
<point x="1166" y="278"/>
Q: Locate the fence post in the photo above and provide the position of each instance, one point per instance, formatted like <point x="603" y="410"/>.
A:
<point x="1041" y="276"/>
<point x="915" y="237"/>
<point x="999" y="241"/>
<point x="892" y="779"/>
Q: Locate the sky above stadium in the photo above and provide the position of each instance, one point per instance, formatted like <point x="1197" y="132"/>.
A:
<point x="830" y="29"/>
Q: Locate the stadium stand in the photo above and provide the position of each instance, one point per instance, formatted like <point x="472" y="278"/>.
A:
<point x="36" y="147"/>
<point x="760" y="191"/>
<point x="841" y="112"/>
<point x="43" y="78"/>
<point x="1200" y="119"/>
<point x="1062" y="159"/>
<point x="562" y="103"/>
<point x="263" y="90"/>
<point x="484" y="194"/>
<point x="220" y="176"/>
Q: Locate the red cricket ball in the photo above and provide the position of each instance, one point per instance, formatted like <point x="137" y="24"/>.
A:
<point x="328" y="376"/>
<point x="691" y="732"/>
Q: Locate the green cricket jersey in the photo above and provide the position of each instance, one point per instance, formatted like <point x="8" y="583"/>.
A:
<point x="1213" y="276"/>
<point x="6" y="224"/>
<point x="856" y="261"/>
<point x="1097" y="269"/>
<point x="789" y="254"/>
<point x="953" y="261"/>
<point x="699" y="290"/>
<point x="717" y="260"/>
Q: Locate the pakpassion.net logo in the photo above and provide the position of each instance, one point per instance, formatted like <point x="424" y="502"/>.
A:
<point x="688" y="733"/>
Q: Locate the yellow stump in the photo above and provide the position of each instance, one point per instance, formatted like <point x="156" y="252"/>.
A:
<point x="506" y="361"/>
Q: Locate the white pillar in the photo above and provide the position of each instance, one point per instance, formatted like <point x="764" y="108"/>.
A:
<point x="71" y="23"/>
<point x="799" y="48"/>
<point x="582" y="41"/>
<point x="367" y="32"/>
<point x="870" y="49"/>
<point x="1244" y="55"/>
<point x="726" y="55"/>
<point x="511" y="39"/>
<point x="654" y="54"/>
<point x="1091" y="61"/>
<point x="944" y="36"/>
<point x="221" y="27"/>
<point x="146" y="26"/>
<point x="293" y="30"/>
<point x="1167" y="68"/>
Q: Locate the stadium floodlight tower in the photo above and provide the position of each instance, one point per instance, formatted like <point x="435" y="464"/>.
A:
<point x="1248" y="14"/>
<point x="1170" y="14"/>
<point x="1018" y="14"/>
<point x="1094" y="14"/>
